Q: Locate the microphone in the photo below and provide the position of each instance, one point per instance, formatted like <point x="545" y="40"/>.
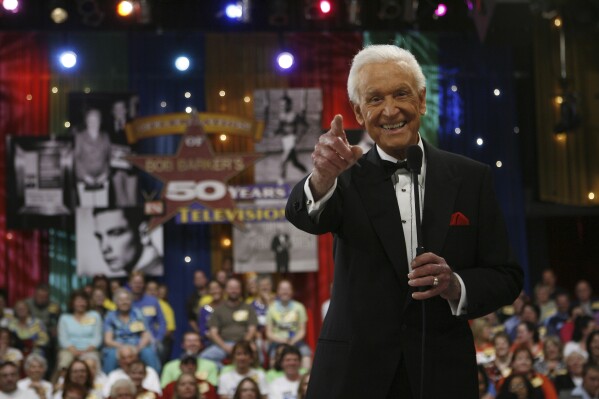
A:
<point x="414" y="159"/>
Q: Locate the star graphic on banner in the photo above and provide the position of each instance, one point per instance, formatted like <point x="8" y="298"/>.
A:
<point x="194" y="174"/>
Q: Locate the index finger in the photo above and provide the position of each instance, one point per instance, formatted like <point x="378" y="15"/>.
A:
<point x="337" y="127"/>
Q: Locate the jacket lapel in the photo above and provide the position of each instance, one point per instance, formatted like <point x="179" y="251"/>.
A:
<point x="440" y="192"/>
<point x="377" y="193"/>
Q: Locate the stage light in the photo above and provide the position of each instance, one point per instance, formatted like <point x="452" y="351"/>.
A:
<point x="441" y="10"/>
<point x="187" y="259"/>
<point x="11" y="5"/>
<point x="182" y="63"/>
<point x="499" y="164"/>
<point x="234" y="11"/>
<point x="223" y="137"/>
<point x="285" y="60"/>
<point x="497" y="92"/>
<point x="457" y="130"/>
<point x="58" y="11"/>
<point x="480" y="141"/>
<point x="591" y="195"/>
<point x="317" y="9"/>
<point x="226" y="242"/>
<point x="124" y="8"/>
<point x="68" y="59"/>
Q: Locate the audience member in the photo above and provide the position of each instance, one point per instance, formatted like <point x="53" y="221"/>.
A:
<point x="568" y="328"/>
<point x="232" y="321"/>
<point x="544" y="302"/>
<point x="29" y="332"/>
<point x="589" y="388"/>
<point x="98" y="302"/>
<point x="243" y="358"/>
<point x="572" y="378"/>
<point x="189" y="366"/>
<point x="127" y="326"/>
<point x="555" y="322"/>
<point x="75" y="392"/>
<point x="549" y="280"/>
<point x="500" y="366"/>
<point x="169" y="317"/>
<point x="192" y="346"/>
<point x="286" y="387"/>
<point x="251" y="287"/>
<point x="122" y="389"/>
<point x="102" y="283"/>
<point x="222" y="277"/>
<point x="7" y="352"/>
<point x="35" y="368"/>
<point x="79" y="331"/>
<point x="585" y="299"/>
<point x="42" y="308"/>
<point x="592" y="347"/>
<point x="510" y="314"/>
<point x="483" y="343"/>
<point x="215" y="292"/>
<point x="126" y="355"/>
<point x="286" y="323"/>
<point x="137" y="373"/>
<point x="188" y="387"/>
<point x="518" y="387"/>
<point x="9" y="374"/>
<point x="200" y="284"/>
<point x="247" y="389"/>
<point x="552" y="363"/>
<point x="583" y="327"/>
<point x="5" y="312"/>
<point x="77" y="373"/>
<point x="527" y="334"/>
<point x="486" y="388"/>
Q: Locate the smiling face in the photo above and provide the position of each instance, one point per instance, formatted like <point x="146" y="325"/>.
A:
<point x="390" y="106"/>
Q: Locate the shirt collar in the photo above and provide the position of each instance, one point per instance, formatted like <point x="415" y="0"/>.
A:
<point x="386" y="157"/>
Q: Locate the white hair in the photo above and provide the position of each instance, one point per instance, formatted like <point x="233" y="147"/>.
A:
<point x="35" y="358"/>
<point x="122" y="383"/>
<point x="378" y="53"/>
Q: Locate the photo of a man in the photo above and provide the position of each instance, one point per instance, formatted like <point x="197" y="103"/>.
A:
<point x="120" y="238"/>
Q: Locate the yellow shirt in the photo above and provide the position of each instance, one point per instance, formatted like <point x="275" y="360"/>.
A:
<point x="169" y="315"/>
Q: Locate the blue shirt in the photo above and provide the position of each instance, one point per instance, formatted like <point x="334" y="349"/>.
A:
<point x="126" y="333"/>
<point x="150" y="309"/>
<point x="80" y="334"/>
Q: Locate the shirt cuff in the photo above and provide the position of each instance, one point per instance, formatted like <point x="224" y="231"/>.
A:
<point x="315" y="208"/>
<point x="458" y="308"/>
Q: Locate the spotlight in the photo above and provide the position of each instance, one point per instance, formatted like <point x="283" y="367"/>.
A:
<point x="441" y="10"/>
<point x="124" y="8"/>
<point x="234" y="11"/>
<point x="238" y="11"/>
<point x="11" y="5"/>
<point x="59" y="15"/>
<point x="285" y="60"/>
<point x="317" y="9"/>
<point x="68" y="59"/>
<point x="182" y="63"/>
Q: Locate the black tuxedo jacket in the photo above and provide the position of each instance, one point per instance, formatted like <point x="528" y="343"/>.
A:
<point x="372" y="321"/>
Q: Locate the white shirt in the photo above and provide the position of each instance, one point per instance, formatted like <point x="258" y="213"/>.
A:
<point x="405" y="200"/>
<point x="282" y="388"/>
<point x="228" y="381"/>
<point x="25" y="382"/>
<point x="151" y="382"/>
<point x="19" y="394"/>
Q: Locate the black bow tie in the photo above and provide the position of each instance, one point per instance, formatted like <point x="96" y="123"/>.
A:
<point x="392" y="167"/>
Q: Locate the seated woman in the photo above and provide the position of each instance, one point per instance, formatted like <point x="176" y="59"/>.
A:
<point x="30" y="332"/>
<point x="187" y="387"/>
<point x="552" y="363"/>
<point x="78" y="374"/>
<point x="243" y="358"/>
<point x="247" y="389"/>
<point x="572" y="378"/>
<point x="35" y="368"/>
<point x="7" y="352"/>
<point x="518" y="387"/>
<point x="522" y="364"/>
<point x="79" y="331"/>
<point x="127" y="326"/>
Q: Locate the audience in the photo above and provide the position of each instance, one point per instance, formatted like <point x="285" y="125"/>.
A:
<point x="572" y="378"/>
<point x="552" y="363"/>
<point x="137" y="373"/>
<point x="187" y="387"/>
<point x="286" y="386"/>
<point x="122" y="389"/>
<point x="205" y="369"/>
<point x="7" y="352"/>
<point x="200" y="285"/>
<point x="126" y="355"/>
<point x="79" y="374"/>
<point x="592" y="347"/>
<point x="29" y="332"/>
<point x="189" y="367"/>
<point x="589" y="389"/>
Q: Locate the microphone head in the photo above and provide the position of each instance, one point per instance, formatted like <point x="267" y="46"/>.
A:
<point x="414" y="158"/>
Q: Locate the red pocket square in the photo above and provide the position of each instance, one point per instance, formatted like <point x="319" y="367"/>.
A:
<point x="458" y="219"/>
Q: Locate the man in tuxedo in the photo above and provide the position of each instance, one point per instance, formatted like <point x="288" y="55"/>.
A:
<point x="383" y="289"/>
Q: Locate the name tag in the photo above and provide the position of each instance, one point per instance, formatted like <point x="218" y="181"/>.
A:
<point x="241" y="315"/>
<point x="203" y="387"/>
<point x="137" y="326"/>
<point x="202" y="375"/>
<point x="88" y="321"/>
<point x="149" y="311"/>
